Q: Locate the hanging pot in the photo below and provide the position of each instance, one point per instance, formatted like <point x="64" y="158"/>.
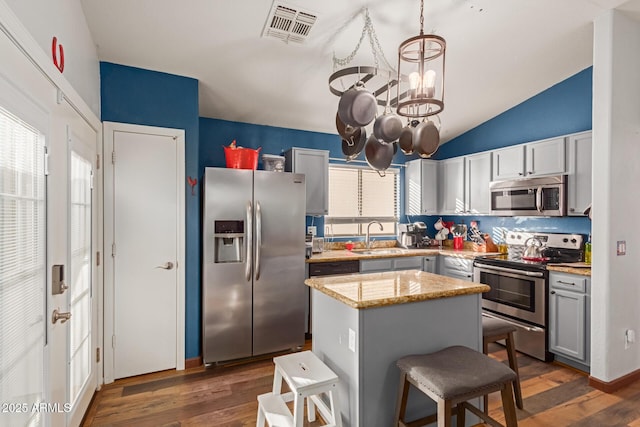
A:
<point x="378" y="154"/>
<point x="388" y="126"/>
<point x="357" y="106"/>
<point x="353" y="146"/>
<point x="346" y="131"/>
<point x="426" y="139"/>
<point x="406" y="139"/>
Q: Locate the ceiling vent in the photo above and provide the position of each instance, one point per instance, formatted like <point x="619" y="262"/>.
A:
<point x="288" y="23"/>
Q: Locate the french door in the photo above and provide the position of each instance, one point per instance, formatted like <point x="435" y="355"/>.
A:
<point x="48" y="276"/>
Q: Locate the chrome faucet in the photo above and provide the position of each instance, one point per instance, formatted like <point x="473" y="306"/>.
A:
<point x="367" y="242"/>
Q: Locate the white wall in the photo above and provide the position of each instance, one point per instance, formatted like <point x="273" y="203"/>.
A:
<point x="65" y="20"/>
<point x="616" y="202"/>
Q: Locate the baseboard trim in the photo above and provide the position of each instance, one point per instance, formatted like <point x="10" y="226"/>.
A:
<point x="194" y="362"/>
<point x="615" y="385"/>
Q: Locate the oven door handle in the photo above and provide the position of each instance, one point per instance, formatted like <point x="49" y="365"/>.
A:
<point x="510" y="270"/>
<point x="516" y="324"/>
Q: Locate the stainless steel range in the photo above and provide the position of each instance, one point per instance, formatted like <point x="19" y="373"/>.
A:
<point x="519" y="284"/>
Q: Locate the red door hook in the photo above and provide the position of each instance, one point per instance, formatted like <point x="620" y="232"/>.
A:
<point x="59" y="64"/>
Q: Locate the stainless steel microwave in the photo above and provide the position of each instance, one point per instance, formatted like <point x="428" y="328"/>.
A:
<point x="545" y="196"/>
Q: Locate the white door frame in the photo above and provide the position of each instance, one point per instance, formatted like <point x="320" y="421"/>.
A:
<point x="179" y="135"/>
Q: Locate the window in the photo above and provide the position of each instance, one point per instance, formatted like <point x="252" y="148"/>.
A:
<point x="358" y="196"/>
<point x="22" y="267"/>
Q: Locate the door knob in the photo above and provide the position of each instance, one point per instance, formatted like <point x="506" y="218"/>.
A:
<point x="167" y="266"/>
<point x="57" y="315"/>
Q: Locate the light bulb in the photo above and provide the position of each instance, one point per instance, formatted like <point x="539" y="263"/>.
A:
<point x="429" y="83"/>
<point x="414" y="80"/>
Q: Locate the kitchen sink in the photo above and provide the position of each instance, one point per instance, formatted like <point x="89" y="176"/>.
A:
<point x="381" y="251"/>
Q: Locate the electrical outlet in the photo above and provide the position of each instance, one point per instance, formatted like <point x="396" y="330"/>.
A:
<point x="352" y="340"/>
<point x="312" y="230"/>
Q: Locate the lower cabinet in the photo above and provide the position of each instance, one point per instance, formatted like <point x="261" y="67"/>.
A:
<point x="430" y="264"/>
<point x="570" y="318"/>
<point x="390" y="264"/>
<point x="456" y="267"/>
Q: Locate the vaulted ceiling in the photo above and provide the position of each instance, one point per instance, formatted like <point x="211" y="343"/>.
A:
<point x="499" y="52"/>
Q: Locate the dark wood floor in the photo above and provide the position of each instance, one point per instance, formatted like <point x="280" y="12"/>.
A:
<point x="226" y="397"/>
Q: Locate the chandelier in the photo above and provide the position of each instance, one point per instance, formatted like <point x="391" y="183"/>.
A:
<point x="420" y="91"/>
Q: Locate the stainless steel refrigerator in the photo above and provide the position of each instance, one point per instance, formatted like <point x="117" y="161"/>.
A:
<point x="253" y="263"/>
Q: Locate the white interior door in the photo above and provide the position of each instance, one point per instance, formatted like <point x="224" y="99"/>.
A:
<point x="147" y="204"/>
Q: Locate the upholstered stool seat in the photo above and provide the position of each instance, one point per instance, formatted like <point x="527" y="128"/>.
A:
<point x="495" y="330"/>
<point x="451" y="377"/>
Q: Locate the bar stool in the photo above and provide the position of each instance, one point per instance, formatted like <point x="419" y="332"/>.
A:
<point x="495" y="330"/>
<point x="451" y="377"/>
<point x="308" y="378"/>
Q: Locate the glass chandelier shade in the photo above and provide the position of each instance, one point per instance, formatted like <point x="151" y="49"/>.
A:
<point x="420" y="89"/>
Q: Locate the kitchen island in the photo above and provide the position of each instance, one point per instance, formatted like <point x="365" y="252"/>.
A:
<point x="363" y="323"/>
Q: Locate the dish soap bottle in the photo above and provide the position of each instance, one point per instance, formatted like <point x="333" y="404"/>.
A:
<point x="587" y="251"/>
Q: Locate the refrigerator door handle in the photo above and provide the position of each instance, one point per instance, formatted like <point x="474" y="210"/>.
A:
<point x="247" y="247"/>
<point x="258" y="238"/>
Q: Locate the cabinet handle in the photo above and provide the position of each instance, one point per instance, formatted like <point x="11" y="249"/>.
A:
<point x="520" y="173"/>
<point x="566" y="283"/>
<point x="530" y="173"/>
<point x="552" y="292"/>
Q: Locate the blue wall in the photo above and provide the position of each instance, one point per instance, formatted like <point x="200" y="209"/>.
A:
<point x="143" y="97"/>
<point x="562" y="109"/>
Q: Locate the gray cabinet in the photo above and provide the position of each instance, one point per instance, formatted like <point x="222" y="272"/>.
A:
<point x="578" y="173"/>
<point x="430" y="264"/>
<point x="390" y="264"/>
<point x="421" y="187"/>
<point x="530" y="160"/>
<point x="451" y="195"/>
<point x="456" y="267"/>
<point x="477" y="171"/>
<point x="570" y="318"/>
<point x="314" y="164"/>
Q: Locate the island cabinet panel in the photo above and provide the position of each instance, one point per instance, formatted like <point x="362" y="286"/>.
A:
<point x="379" y="337"/>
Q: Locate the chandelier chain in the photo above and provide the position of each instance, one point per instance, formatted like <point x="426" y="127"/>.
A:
<point x="376" y="49"/>
<point x="421" y="17"/>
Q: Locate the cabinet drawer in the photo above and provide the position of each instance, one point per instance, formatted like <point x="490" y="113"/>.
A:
<point x="455" y="263"/>
<point x="408" y="263"/>
<point x="383" y="264"/>
<point x="568" y="281"/>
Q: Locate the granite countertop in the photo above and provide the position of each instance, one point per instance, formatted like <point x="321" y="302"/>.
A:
<point x="581" y="271"/>
<point x="392" y="287"/>
<point x="345" y="255"/>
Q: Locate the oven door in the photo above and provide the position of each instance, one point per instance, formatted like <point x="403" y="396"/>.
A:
<point x="515" y="293"/>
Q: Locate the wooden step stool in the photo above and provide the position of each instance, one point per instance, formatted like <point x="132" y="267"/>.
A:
<point x="308" y="378"/>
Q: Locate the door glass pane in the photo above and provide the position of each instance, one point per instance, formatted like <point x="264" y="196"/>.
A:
<point x="80" y="277"/>
<point x="22" y="270"/>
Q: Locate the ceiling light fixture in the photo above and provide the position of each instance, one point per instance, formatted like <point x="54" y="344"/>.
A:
<point x="420" y="88"/>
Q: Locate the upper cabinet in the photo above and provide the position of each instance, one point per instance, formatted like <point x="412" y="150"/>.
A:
<point x="314" y="164"/>
<point x="464" y="185"/>
<point x="579" y="173"/>
<point x="530" y="160"/>
<point x="421" y="187"/>
<point x="451" y="195"/>
<point x="477" y="178"/>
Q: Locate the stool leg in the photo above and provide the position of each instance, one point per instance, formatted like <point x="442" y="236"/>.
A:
<point x="401" y="402"/>
<point x="513" y="364"/>
<point x="444" y="413"/>
<point x="260" y="421"/>
<point x="311" y="410"/>
<point x="277" y="381"/>
<point x="460" y="415"/>
<point x="298" y="410"/>
<point x="335" y="407"/>
<point x="508" y="406"/>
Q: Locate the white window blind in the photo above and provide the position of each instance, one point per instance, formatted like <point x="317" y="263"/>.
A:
<point x="22" y="268"/>
<point x="357" y="196"/>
